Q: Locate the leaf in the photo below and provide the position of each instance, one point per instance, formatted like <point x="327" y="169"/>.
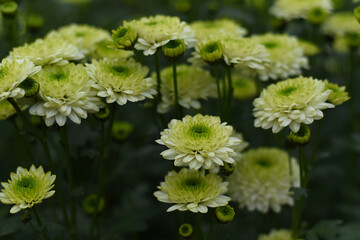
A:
<point x="11" y="225"/>
<point x="325" y="230"/>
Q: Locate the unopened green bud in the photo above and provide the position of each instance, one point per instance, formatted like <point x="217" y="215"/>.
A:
<point x="210" y="51"/>
<point x="225" y="214"/>
<point x="25" y="216"/>
<point x="301" y="137"/>
<point x="357" y="13"/>
<point x="103" y="114"/>
<point x="92" y="202"/>
<point x="125" y="36"/>
<point x="317" y="16"/>
<point x="121" y="130"/>
<point x="9" y="9"/>
<point x="30" y="86"/>
<point x="35" y="21"/>
<point x="186" y="230"/>
<point x="227" y="169"/>
<point x="183" y="5"/>
<point x="174" y="50"/>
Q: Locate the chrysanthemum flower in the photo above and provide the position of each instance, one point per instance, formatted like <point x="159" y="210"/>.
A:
<point x="156" y="31"/>
<point x="12" y="73"/>
<point x="121" y="80"/>
<point x="193" y="84"/>
<point x="7" y="110"/>
<point x="239" y="148"/>
<point x="293" y="9"/>
<point x="244" y="87"/>
<point x="192" y="190"/>
<point x="290" y="103"/>
<point x="286" y="56"/>
<point x="213" y="29"/>
<point x="341" y="24"/>
<point x="261" y="180"/>
<point x="104" y="50"/>
<point x="66" y="91"/>
<point x="83" y="36"/>
<point x="278" y="235"/>
<point x="310" y="49"/>
<point x="199" y="141"/>
<point x="27" y="188"/>
<point x="48" y="51"/>
<point x="338" y="94"/>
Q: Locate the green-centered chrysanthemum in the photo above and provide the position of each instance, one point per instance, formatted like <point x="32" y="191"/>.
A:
<point x="244" y="87"/>
<point x="278" y="235"/>
<point x="12" y="73"/>
<point x="293" y="9"/>
<point x="156" y="31"/>
<point x="83" y="36"/>
<point x="7" y="110"/>
<point x="121" y="80"/>
<point x="193" y="84"/>
<point x="192" y="190"/>
<point x="212" y="29"/>
<point x="65" y="91"/>
<point x="199" y="141"/>
<point x="290" y="103"/>
<point x="286" y="56"/>
<point x="338" y="94"/>
<point x="27" y="188"/>
<point x="48" y="51"/>
<point x="104" y="49"/>
<point x="341" y="24"/>
<point x="310" y="49"/>
<point x="262" y="180"/>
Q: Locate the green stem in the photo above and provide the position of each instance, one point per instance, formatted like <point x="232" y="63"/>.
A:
<point x="216" y="72"/>
<point x="40" y="224"/>
<point x="36" y="231"/>
<point x="178" y="107"/>
<point x="199" y="227"/>
<point x="10" y="25"/>
<point x="316" y="144"/>
<point x="230" y="92"/>
<point x="158" y="76"/>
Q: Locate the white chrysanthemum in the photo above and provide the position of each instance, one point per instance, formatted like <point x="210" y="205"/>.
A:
<point x="121" y="80"/>
<point x="27" y="188"/>
<point x="293" y="9"/>
<point x="216" y="28"/>
<point x="48" y="51"/>
<point x="156" y="31"/>
<point x="104" y="50"/>
<point x="12" y="73"/>
<point x="278" y="235"/>
<point x="239" y="148"/>
<point x="193" y="84"/>
<point x="341" y="24"/>
<point x="192" y="190"/>
<point x="286" y="56"/>
<point x="65" y="92"/>
<point x="261" y="180"/>
<point x="83" y="36"/>
<point x="291" y="103"/>
<point x="199" y="141"/>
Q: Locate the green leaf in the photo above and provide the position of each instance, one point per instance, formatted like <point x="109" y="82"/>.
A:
<point x="325" y="230"/>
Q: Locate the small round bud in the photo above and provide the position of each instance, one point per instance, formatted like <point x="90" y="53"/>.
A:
<point x="25" y="216"/>
<point x="121" y="130"/>
<point x="302" y="137"/>
<point x="103" y="114"/>
<point x="357" y="13"/>
<point x="210" y="51"/>
<point x="186" y="230"/>
<point x="30" y="86"/>
<point x="125" y="36"/>
<point x="9" y="9"/>
<point x="227" y="169"/>
<point x="225" y="214"/>
<point x="92" y="202"/>
<point x="183" y="5"/>
<point x="174" y="50"/>
<point x="35" y="21"/>
<point x="317" y="16"/>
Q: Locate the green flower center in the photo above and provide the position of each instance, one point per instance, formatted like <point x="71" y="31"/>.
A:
<point x="80" y="34"/>
<point x="26" y="183"/>
<point x="199" y="131"/>
<point x="287" y="91"/>
<point x="151" y="23"/>
<point x="192" y="184"/>
<point x="173" y="44"/>
<point x="211" y="47"/>
<point x="119" y="70"/>
<point x="3" y="72"/>
<point x="122" y="32"/>
<point x="211" y="25"/>
<point x="264" y="163"/>
<point x="270" y="44"/>
<point x="58" y="76"/>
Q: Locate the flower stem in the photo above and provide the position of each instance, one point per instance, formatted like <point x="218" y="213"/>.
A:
<point x="158" y="76"/>
<point x="316" y="144"/>
<point x="216" y="73"/>
<point x="40" y="224"/>
<point x="229" y="96"/>
<point x="199" y="227"/>
<point x="176" y="93"/>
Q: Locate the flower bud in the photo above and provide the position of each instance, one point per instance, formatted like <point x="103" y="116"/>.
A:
<point x="227" y="169"/>
<point x="121" y="130"/>
<point x="92" y="202"/>
<point x="357" y="13"/>
<point x="317" y="16"/>
<point x="103" y="113"/>
<point x="301" y="137"/>
<point x="225" y="214"/>
<point x="9" y="9"/>
<point x="30" y="86"/>
<point x="210" y="51"/>
<point x="186" y="230"/>
<point x="125" y="36"/>
<point x="35" y="21"/>
<point x="174" y="50"/>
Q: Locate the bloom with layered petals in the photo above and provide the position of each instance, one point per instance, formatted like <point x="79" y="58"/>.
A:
<point x="192" y="190"/>
<point x="338" y="94"/>
<point x="341" y="24"/>
<point x="199" y="141"/>
<point x="278" y="235"/>
<point x="290" y="103"/>
<point x="27" y="188"/>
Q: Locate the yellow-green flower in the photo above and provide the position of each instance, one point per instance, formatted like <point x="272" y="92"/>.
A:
<point x="27" y="188"/>
<point x="199" y="141"/>
<point x="310" y="49"/>
<point x="121" y="80"/>
<point x="286" y="56"/>
<point x="193" y="84"/>
<point x="12" y="73"/>
<point x="65" y="92"/>
<point x="290" y="103"/>
<point x="125" y="37"/>
<point x="293" y="9"/>
<point x="193" y="191"/>
<point x="105" y="50"/>
<point x="48" y="51"/>
<point x="341" y="24"/>
<point x="244" y="88"/>
<point x="278" y="235"/>
<point x="156" y="31"/>
<point x="210" y="51"/>
<point x="262" y="180"/>
<point x="338" y="94"/>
